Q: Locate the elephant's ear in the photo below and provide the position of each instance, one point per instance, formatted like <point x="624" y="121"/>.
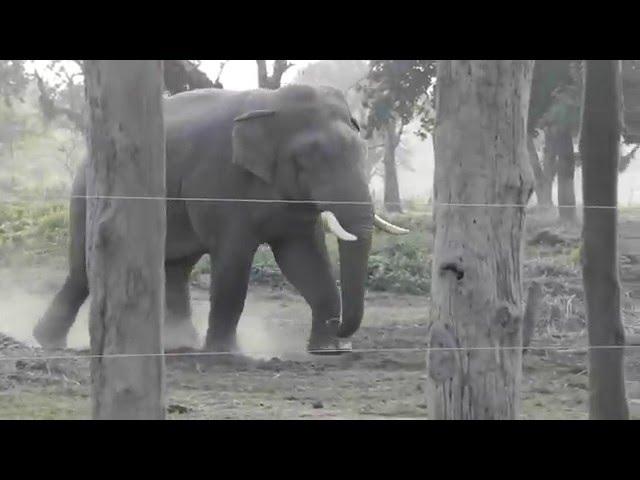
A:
<point x="254" y="143"/>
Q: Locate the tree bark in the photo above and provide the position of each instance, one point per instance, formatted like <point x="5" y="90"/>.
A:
<point x="566" y="178"/>
<point x="125" y="237"/>
<point x="391" y="185"/>
<point x="599" y="148"/>
<point x="475" y="326"/>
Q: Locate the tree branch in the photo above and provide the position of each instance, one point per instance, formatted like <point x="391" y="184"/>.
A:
<point x="625" y="159"/>
<point x="51" y="110"/>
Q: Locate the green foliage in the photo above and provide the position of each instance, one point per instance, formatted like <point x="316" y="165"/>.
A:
<point x="556" y="95"/>
<point x="402" y="267"/>
<point x="399" y="89"/>
<point x="399" y="264"/>
<point x="548" y="75"/>
<point x="563" y="112"/>
<point x="32" y="234"/>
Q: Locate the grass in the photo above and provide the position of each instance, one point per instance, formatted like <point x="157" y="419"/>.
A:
<point x="33" y="234"/>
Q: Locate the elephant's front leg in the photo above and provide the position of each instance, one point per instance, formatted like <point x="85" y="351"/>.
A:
<point x="231" y="267"/>
<point x="304" y="261"/>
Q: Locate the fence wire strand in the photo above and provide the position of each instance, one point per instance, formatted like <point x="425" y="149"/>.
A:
<point x="308" y="202"/>
<point x="563" y="348"/>
<point x="303" y="202"/>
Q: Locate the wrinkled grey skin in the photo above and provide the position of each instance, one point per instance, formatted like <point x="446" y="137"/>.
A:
<point x="295" y="143"/>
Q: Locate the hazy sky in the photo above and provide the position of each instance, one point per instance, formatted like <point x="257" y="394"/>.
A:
<point x="243" y="74"/>
<point x="237" y="74"/>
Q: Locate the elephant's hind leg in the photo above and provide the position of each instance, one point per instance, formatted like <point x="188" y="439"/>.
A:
<point x="179" y="332"/>
<point x="52" y="329"/>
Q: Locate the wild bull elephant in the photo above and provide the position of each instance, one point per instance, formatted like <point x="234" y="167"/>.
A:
<point x="243" y="169"/>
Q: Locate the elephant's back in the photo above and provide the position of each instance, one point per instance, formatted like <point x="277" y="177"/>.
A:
<point x="189" y="111"/>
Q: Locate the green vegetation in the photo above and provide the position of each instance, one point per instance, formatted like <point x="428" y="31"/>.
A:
<point x="33" y="234"/>
<point x="399" y="264"/>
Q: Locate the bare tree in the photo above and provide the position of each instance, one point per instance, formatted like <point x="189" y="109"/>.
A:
<point x="600" y="153"/>
<point x="273" y="81"/>
<point x="474" y="366"/>
<point x="126" y="238"/>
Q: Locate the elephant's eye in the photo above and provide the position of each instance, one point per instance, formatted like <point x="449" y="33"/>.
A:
<point x="354" y="122"/>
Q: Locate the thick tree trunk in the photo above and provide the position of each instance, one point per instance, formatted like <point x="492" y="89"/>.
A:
<point x="599" y="149"/>
<point x="475" y="328"/>
<point x="566" y="177"/>
<point x="391" y="185"/>
<point x="126" y="238"/>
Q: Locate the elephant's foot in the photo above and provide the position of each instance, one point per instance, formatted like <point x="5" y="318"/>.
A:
<point x="324" y="339"/>
<point x="222" y="344"/>
<point x="50" y="335"/>
<point x="180" y="336"/>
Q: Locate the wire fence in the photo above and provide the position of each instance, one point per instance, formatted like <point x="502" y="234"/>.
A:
<point x="300" y="202"/>
<point x="561" y="348"/>
<point x="46" y="198"/>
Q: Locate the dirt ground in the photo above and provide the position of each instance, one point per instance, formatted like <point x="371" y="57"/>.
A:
<point x="268" y="383"/>
<point x="277" y="379"/>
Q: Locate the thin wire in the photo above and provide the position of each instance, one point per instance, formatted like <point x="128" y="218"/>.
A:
<point x="312" y="202"/>
<point x="362" y="350"/>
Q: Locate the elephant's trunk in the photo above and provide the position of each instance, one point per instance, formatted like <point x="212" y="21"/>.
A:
<point x="353" y="225"/>
<point x="354" y="257"/>
<point x="354" y="240"/>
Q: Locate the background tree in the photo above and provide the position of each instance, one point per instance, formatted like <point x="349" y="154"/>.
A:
<point x="555" y="99"/>
<point x="396" y="92"/>
<point x="600" y="149"/>
<point x="126" y="238"/>
<point x="273" y="81"/>
<point x="184" y="75"/>
<point x="346" y="75"/>
<point x="475" y="325"/>
<point x="13" y="80"/>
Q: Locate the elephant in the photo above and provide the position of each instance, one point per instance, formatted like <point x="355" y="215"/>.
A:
<point x="245" y="168"/>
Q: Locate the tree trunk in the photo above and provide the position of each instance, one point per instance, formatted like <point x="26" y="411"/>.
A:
<point x="599" y="149"/>
<point x="566" y="182"/>
<point x="126" y="238"/>
<point x="391" y="186"/>
<point x="549" y="170"/>
<point x="531" y="311"/>
<point x="475" y="327"/>
<point x="542" y="188"/>
<point x="274" y="81"/>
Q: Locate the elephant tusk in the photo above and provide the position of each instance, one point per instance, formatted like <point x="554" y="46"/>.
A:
<point x="331" y="224"/>
<point x="388" y="227"/>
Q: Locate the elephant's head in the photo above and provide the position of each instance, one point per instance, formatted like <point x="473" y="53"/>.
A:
<point x="305" y="143"/>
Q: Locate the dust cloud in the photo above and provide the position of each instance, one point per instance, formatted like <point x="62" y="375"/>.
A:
<point x="264" y="330"/>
